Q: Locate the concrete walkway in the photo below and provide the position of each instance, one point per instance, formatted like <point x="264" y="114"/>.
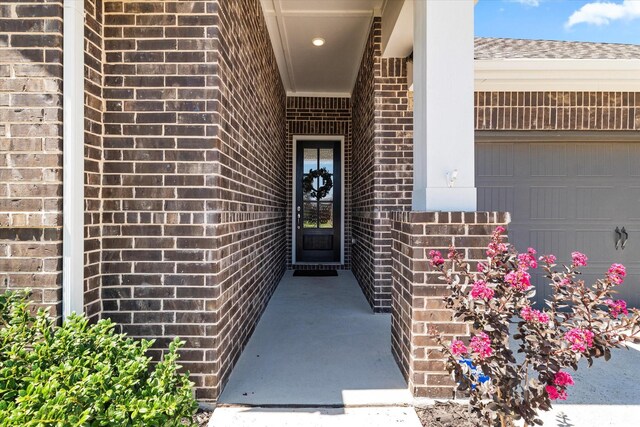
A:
<point x="317" y="346"/>
<point x="606" y="394"/>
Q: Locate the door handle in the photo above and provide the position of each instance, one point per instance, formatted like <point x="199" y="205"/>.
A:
<point x="618" y="237"/>
<point x="298" y="218"/>
<point x="625" y="237"/>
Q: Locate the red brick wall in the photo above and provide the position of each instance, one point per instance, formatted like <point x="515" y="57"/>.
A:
<point x="418" y="305"/>
<point x="383" y="165"/>
<point x="31" y="149"/>
<point x="320" y="116"/>
<point x="557" y="110"/>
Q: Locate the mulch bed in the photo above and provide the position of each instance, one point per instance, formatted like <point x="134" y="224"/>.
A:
<point x="447" y="414"/>
<point x="202" y="418"/>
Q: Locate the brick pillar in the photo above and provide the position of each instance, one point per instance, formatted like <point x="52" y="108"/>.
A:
<point x="418" y="294"/>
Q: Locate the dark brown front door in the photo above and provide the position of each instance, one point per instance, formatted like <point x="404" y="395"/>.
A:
<point x="318" y="201"/>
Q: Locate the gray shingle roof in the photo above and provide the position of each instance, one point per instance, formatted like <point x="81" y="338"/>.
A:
<point x="494" y="48"/>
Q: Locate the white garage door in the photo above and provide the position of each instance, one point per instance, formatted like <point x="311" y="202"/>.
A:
<point x="566" y="196"/>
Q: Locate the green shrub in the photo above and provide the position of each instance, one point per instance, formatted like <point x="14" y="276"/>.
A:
<point x="84" y="375"/>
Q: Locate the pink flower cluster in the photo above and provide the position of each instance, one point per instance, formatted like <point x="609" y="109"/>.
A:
<point x="534" y="316"/>
<point x="548" y="259"/>
<point x="480" y="290"/>
<point x="579" y="259"/>
<point x="528" y="260"/>
<point x="561" y="379"/>
<point x="481" y="344"/>
<point x="580" y="339"/>
<point x="496" y="246"/>
<point x="555" y="393"/>
<point x="458" y="348"/>
<point x="519" y="279"/>
<point x="436" y="258"/>
<point x="617" y="307"/>
<point x="616" y="273"/>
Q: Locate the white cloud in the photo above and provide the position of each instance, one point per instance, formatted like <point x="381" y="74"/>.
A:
<point x="602" y="13"/>
<point x="533" y="3"/>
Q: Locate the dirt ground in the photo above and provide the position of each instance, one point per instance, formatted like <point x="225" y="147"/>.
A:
<point x="447" y="414"/>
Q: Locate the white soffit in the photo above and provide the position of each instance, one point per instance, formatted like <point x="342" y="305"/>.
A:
<point x="397" y="28"/>
<point x="329" y="70"/>
<point x="557" y="75"/>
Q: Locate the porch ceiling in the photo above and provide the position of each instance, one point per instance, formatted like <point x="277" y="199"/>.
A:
<point x="331" y="69"/>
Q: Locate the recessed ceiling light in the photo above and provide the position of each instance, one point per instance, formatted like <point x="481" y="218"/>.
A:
<point x="318" y="41"/>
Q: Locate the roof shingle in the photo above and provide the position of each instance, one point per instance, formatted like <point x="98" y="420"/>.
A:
<point x="495" y="48"/>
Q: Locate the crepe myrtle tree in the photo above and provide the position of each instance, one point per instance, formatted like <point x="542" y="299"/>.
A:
<point x="579" y="321"/>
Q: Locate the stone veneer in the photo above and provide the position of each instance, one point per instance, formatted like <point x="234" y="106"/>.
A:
<point x="382" y="165"/>
<point x="418" y="305"/>
<point x="31" y="149"/>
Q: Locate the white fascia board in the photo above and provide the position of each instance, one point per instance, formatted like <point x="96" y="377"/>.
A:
<point x="557" y="75"/>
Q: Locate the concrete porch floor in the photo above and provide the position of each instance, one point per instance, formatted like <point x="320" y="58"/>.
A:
<point x="318" y="344"/>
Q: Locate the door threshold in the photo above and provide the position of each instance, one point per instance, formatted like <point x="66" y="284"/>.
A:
<point x="319" y="264"/>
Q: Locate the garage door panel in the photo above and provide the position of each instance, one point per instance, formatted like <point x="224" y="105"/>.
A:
<point x="631" y="208"/>
<point x="567" y="196"/>
<point x="588" y="207"/>
<point x="496" y="197"/>
<point x="548" y="203"/>
<point x="633" y="159"/>
<point x="495" y="160"/>
<point x="548" y="159"/>
<point x="598" y="244"/>
<point x="594" y="160"/>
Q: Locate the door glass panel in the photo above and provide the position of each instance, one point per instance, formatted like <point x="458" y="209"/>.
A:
<point x="306" y="195"/>
<point x="310" y="159"/>
<point x="329" y="196"/>
<point x="326" y="215"/>
<point x="326" y="159"/>
<point x="310" y="215"/>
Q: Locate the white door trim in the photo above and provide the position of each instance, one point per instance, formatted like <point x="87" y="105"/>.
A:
<point x="340" y="140"/>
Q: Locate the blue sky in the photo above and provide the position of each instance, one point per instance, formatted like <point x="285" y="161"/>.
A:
<point x="609" y="21"/>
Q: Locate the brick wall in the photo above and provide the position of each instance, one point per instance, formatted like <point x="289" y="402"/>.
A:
<point x="94" y="106"/>
<point x="250" y="207"/>
<point x="31" y="149"/>
<point x="557" y="110"/>
<point x="383" y="165"/>
<point x="320" y="116"/>
<point x="158" y="244"/>
<point x="193" y="229"/>
<point x="418" y="293"/>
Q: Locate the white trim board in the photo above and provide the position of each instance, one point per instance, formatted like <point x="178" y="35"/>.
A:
<point x="592" y="75"/>
<point x="340" y="140"/>
<point x="73" y="160"/>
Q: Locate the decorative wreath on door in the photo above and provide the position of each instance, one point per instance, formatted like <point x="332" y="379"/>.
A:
<point x="323" y="190"/>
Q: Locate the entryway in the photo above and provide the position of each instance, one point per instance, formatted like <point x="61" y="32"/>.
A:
<point x="318" y="213"/>
<point x="318" y="344"/>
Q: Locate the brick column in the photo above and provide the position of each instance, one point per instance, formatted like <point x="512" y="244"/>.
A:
<point x="418" y="294"/>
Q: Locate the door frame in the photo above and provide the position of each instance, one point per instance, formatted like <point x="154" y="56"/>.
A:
<point x="340" y="140"/>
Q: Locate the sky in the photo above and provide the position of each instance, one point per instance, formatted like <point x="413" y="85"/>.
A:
<point x="607" y="21"/>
